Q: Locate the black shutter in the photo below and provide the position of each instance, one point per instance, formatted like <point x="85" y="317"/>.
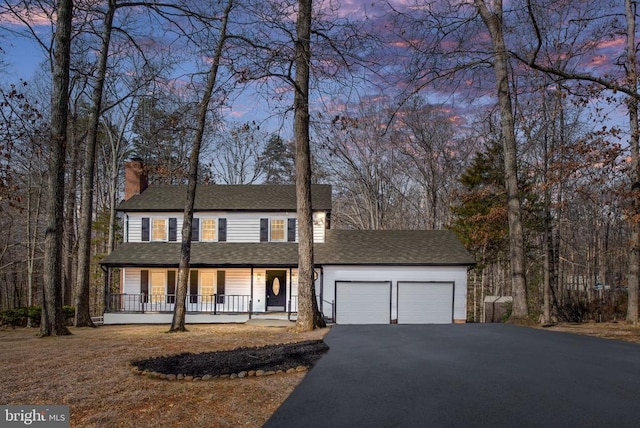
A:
<point x="221" y="283"/>
<point x="264" y="229"/>
<point x="193" y="286"/>
<point x="222" y="229"/>
<point x="171" y="286"/>
<point x="173" y="229"/>
<point x="291" y="230"/>
<point x="195" y="229"/>
<point x="145" y="228"/>
<point x="144" y="285"/>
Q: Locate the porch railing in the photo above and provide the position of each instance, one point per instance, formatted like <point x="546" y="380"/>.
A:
<point x="292" y="306"/>
<point x="210" y="303"/>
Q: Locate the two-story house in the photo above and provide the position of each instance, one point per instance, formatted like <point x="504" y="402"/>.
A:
<point x="244" y="260"/>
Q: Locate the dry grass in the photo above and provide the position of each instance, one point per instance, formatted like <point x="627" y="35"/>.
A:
<point x="608" y="330"/>
<point x="90" y="372"/>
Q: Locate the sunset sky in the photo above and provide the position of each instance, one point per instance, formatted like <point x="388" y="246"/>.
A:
<point x="23" y="59"/>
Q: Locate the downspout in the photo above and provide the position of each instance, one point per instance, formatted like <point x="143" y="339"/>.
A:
<point x="322" y="290"/>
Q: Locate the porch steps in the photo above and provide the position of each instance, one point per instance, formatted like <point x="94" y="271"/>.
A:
<point x="272" y="319"/>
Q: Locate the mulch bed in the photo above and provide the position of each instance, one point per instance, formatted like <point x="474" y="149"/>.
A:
<point x="267" y="358"/>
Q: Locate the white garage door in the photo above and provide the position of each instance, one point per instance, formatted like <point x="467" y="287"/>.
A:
<point x="425" y="302"/>
<point x="359" y="302"/>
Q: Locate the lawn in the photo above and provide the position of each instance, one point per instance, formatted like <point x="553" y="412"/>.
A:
<point x="90" y="371"/>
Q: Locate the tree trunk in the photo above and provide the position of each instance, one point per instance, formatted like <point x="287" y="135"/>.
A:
<point x="52" y="322"/>
<point x="82" y="296"/>
<point x="179" y="312"/>
<point x="33" y="214"/>
<point x="309" y="317"/>
<point x="632" y="81"/>
<point x="493" y="22"/>
<point x="70" y="213"/>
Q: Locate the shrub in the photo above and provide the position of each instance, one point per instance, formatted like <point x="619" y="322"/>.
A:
<point x="13" y="317"/>
<point x="17" y="317"/>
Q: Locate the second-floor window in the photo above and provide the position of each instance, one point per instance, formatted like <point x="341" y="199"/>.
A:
<point x="159" y="229"/>
<point x="209" y="229"/>
<point x="277" y="229"/>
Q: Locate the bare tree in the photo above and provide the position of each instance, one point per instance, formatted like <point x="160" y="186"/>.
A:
<point x="309" y="316"/>
<point x="83" y="315"/>
<point x="179" y="312"/>
<point x="52" y="322"/>
<point x="600" y="23"/>
<point x="492" y="15"/>
<point x="632" y="105"/>
<point x="238" y="155"/>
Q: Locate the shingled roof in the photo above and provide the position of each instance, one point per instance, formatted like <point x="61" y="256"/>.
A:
<point x="263" y="197"/>
<point x="393" y="247"/>
<point x="342" y="247"/>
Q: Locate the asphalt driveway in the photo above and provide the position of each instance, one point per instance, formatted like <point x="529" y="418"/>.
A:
<point x="473" y="375"/>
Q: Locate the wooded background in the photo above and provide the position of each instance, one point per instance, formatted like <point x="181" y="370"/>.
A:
<point x="408" y="125"/>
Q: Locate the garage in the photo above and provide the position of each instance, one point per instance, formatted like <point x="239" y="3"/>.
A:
<point x="425" y="302"/>
<point x="363" y="302"/>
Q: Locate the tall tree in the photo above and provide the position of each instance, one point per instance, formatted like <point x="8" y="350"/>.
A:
<point x="632" y="105"/>
<point x="52" y="322"/>
<point x="492" y="15"/>
<point x="309" y="317"/>
<point x="83" y="316"/>
<point x="179" y="312"/>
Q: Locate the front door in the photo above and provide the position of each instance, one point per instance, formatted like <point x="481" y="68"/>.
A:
<point x="276" y="290"/>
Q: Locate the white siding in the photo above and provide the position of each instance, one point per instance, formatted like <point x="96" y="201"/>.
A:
<point x="241" y="227"/>
<point x="131" y="281"/>
<point x="238" y="282"/>
<point x="454" y="274"/>
<point x="133" y="228"/>
<point x="319" y="227"/>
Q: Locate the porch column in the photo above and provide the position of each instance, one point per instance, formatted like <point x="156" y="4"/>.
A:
<point x="251" y="298"/>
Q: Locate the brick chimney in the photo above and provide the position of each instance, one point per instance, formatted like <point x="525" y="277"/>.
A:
<point x="135" y="178"/>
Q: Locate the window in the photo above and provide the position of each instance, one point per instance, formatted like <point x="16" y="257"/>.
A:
<point x="159" y="229"/>
<point x="158" y="284"/>
<point x="208" y="226"/>
<point x="277" y="230"/>
<point x="207" y="286"/>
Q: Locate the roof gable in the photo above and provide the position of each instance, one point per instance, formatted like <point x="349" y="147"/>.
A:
<point x="264" y="197"/>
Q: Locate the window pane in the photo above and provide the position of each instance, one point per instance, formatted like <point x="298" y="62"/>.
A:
<point x="158" y="283"/>
<point x="207" y="286"/>
<point x="159" y="229"/>
<point x="208" y="230"/>
<point x="277" y="230"/>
